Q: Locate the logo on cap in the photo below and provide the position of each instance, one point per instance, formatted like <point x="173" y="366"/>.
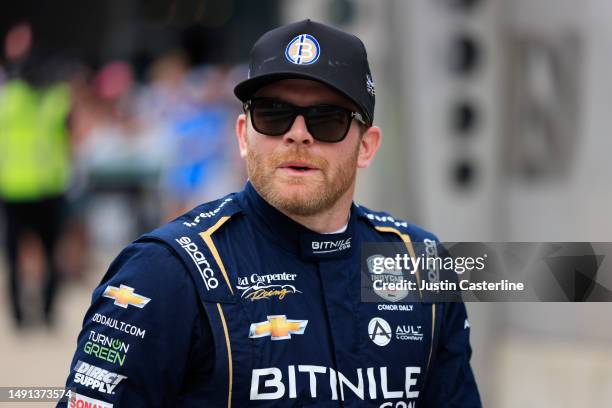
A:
<point x="303" y="50"/>
<point x="370" y="87"/>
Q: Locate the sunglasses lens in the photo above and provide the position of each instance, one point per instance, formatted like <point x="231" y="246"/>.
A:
<point x="328" y="123"/>
<point x="271" y="117"/>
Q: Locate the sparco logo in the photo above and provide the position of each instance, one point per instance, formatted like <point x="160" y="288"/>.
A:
<point x="431" y="250"/>
<point x="364" y="383"/>
<point x="207" y="214"/>
<point x="208" y="275"/>
<point x="323" y="247"/>
<point x="96" y="378"/>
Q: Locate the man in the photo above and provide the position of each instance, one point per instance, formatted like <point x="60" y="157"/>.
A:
<point x="254" y="299"/>
<point x="34" y="169"/>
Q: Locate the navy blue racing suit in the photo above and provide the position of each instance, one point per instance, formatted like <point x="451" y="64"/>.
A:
<point x="234" y="304"/>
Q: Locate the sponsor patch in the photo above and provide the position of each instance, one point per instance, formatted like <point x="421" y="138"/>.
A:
<point x="256" y="287"/>
<point x="276" y="383"/>
<point x="96" y="378"/>
<point x="278" y="327"/>
<point x="326" y="247"/>
<point x="125" y="296"/>
<point x="106" y="348"/>
<point x="200" y="261"/>
<point x="409" y="332"/>
<point x="81" y="401"/>
<point x="386" y="219"/>
<point x="207" y="214"/>
<point x="431" y="251"/>
<point x="379" y="331"/>
<point x="119" y="325"/>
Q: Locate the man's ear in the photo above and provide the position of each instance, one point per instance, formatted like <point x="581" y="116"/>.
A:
<point x="241" y="134"/>
<point x="369" y="144"/>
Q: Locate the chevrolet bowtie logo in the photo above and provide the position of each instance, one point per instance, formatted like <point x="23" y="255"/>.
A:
<point x="277" y="327"/>
<point x="124" y="296"/>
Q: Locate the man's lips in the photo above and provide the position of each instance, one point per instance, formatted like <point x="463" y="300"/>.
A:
<point x="297" y="166"/>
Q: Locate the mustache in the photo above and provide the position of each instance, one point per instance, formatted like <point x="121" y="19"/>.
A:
<point x="277" y="158"/>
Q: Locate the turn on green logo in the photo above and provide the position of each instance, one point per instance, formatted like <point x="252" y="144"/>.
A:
<point x="106" y="348"/>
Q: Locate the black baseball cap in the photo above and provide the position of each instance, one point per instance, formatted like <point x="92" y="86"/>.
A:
<point x="311" y="50"/>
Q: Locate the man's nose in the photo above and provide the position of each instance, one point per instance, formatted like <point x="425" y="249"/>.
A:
<point x="298" y="133"/>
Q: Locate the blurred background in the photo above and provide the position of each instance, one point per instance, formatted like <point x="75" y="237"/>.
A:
<point x="116" y="116"/>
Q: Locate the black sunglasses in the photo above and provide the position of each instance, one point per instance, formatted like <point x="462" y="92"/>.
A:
<point x="326" y="123"/>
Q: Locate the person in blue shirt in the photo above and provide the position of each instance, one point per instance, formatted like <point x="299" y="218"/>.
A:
<point x="255" y="299"/>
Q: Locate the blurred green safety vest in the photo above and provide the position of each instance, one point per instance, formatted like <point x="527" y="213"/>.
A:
<point x="34" y="148"/>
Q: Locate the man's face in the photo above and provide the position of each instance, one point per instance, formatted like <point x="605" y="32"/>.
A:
<point x="294" y="172"/>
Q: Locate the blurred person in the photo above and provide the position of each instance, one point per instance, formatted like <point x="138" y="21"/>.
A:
<point x="34" y="164"/>
<point x="74" y="248"/>
<point x="218" y="93"/>
<point x="119" y="157"/>
<point x="254" y="299"/>
<point x="169" y="108"/>
<point x="199" y="168"/>
<point x="100" y="122"/>
<point x="189" y="112"/>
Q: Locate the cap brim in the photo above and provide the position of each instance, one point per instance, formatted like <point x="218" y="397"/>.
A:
<point x="246" y="89"/>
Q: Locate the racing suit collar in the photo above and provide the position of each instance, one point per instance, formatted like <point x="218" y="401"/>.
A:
<point x="293" y="236"/>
